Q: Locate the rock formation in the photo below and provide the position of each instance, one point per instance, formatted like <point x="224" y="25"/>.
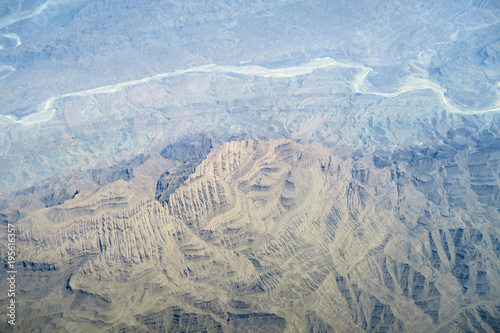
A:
<point x="267" y="237"/>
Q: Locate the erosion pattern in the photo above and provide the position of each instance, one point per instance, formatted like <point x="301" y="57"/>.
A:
<point x="269" y="236"/>
<point x="291" y="165"/>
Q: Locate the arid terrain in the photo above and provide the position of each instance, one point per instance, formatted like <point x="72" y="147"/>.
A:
<point x="250" y="166"/>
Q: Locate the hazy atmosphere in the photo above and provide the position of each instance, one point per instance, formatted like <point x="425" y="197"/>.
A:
<point x="250" y="166"/>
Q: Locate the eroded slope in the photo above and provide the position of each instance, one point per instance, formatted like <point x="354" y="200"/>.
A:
<point x="261" y="236"/>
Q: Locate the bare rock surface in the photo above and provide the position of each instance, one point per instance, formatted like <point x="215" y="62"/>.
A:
<point x="261" y="237"/>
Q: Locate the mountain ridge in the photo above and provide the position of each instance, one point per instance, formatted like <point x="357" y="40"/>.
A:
<point x="265" y="235"/>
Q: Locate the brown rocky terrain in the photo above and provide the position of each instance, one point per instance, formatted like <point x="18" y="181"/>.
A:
<point x="264" y="237"/>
